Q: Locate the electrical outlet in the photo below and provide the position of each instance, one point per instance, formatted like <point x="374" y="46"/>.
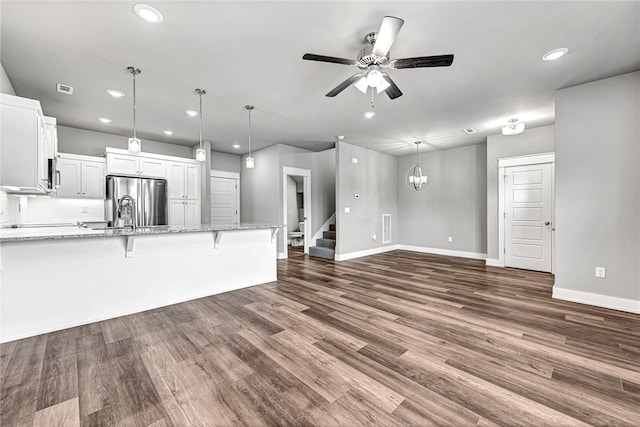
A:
<point x="354" y="160"/>
<point x="347" y="210"/>
<point x="450" y="239"/>
<point x="601" y="272"/>
<point x="374" y="237"/>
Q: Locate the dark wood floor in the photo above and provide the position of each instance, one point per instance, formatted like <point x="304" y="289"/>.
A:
<point x="393" y="339"/>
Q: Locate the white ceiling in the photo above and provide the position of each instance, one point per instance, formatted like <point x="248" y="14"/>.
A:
<point x="250" y="52"/>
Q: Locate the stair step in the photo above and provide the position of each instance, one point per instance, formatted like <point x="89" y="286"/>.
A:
<point x="329" y="235"/>
<point x="326" y="243"/>
<point x="319" y="251"/>
<point x="332" y="227"/>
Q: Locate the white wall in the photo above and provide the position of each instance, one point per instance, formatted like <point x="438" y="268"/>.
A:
<point x="260" y="187"/>
<point x="598" y="192"/>
<point x="225" y="162"/>
<point x="532" y="141"/>
<point x="374" y="179"/>
<point x="5" y="83"/>
<point x="452" y="205"/>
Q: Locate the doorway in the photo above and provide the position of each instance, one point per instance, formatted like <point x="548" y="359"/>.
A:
<point x="526" y="209"/>
<point x="296" y="210"/>
<point x="225" y="198"/>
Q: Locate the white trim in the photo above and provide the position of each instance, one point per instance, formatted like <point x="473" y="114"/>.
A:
<point x="224" y="174"/>
<point x="359" y="254"/>
<point x="81" y="157"/>
<point x="531" y="159"/>
<point x="447" y="252"/>
<point x="306" y="174"/>
<point x="598" y="300"/>
<point x="494" y="262"/>
<point x="144" y="154"/>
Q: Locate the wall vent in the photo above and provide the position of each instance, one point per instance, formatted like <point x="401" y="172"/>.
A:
<point x="66" y="89"/>
<point x="386" y="228"/>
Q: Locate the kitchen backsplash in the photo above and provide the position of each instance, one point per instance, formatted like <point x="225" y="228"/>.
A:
<point x="46" y="210"/>
<point x="9" y="209"/>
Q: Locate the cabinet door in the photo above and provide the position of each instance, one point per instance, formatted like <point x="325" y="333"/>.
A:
<point x="192" y="181"/>
<point x="175" y="177"/>
<point x="93" y="180"/>
<point x="121" y="164"/>
<point x="153" y="168"/>
<point x="70" y="178"/>
<point x="192" y="212"/>
<point x="176" y="211"/>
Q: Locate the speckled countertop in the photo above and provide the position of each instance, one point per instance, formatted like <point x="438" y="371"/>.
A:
<point x="72" y="232"/>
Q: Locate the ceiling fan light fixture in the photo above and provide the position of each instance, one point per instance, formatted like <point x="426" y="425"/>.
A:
<point x="384" y="85"/>
<point x="513" y="127"/>
<point x="362" y="85"/>
<point x="148" y="13"/>
<point x="374" y="78"/>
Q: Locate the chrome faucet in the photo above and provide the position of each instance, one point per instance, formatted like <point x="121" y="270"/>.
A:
<point x="132" y="210"/>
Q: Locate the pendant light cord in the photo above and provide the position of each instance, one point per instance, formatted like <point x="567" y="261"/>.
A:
<point x="134" y="71"/>
<point x="249" y="107"/>
<point x="200" y="94"/>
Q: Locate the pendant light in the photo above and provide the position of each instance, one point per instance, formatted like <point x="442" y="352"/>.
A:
<point x="415" y="178"/>
<point x="135" y="146"/>
<point x="201" y="154"/>
<point x="250" y="162"/>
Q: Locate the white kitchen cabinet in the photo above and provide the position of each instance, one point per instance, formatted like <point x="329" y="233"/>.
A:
<point x="136" y="165"/>
<point x="23" y="155"/>
<point x="81" y="176"/>
<point x="184" y="212"/>
<point x="184" y="192"/>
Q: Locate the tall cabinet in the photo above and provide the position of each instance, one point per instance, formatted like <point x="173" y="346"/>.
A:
<point x="184" y="192"/>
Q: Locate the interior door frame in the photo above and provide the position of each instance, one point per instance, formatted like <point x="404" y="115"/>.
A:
<point x="231" y="175"/>
<point x="306" y="175"/>
<point x="533" y="159"/>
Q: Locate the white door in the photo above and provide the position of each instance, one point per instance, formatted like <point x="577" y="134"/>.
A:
<point x="224" y="201"/>
<point x="528" y="215"/>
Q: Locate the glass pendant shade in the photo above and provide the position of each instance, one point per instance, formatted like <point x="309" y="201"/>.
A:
<point x="201" y="155"/>
<point x="362" y="85"/>
<point x="135" y="146"/>
<point x="416" y="177"/>
<point x="250" y="163"/>
<point x="374" y="78"/>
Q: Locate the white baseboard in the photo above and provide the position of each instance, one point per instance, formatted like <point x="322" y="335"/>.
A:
<point x="494" y="262"/>
<point x="598" y="300"/>
<point x="359" y="254"/>
<point x="447" y="252"/>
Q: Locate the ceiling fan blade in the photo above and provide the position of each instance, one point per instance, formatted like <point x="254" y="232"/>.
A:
<point x="331" y="59"/>
<point x="345" y="84"/>
<point x="392" y="91"/>
<point x="389" y="29"/>
<point x="422" y="61"/>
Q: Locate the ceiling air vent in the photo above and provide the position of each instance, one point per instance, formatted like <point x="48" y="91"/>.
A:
<point x="66" y="89"/>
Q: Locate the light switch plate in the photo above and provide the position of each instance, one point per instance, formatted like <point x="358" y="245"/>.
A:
<point x="354" y="160"/>
<point x="347" y="210"/>
<point x="601" y="272"/>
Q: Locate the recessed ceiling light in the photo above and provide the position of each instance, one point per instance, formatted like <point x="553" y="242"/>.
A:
<point x="148" y="13"/>
<point x="104" y="120"/>
<point x="115" y="93"/>
<point x="236" y="146"/>
<point x="191" y="113"/>
<point x="554" y="54"/>
<point x="168" y="132"/>
<point x="469" y="130"/>
<point x="369" y="114"/>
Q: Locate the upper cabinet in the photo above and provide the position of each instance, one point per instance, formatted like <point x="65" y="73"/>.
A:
<point x="135" y="165"/>
<point x="24" y="156"/>
<point x="81" y="176"/>
<point x="184" y="180"/>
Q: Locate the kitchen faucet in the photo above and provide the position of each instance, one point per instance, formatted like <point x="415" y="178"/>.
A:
<point x="132" y="209"/>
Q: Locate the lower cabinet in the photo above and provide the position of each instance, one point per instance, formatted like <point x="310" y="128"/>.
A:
<point x="80" y="176"/>
<point x="184" y="212"/>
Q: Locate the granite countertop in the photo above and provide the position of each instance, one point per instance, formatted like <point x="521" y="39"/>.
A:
<point x="22" y="234"/>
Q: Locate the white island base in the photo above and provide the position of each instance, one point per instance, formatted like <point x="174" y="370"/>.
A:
<point x="48" y="285"/>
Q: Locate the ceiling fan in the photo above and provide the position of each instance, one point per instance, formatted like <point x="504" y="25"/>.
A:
<point x="375" y="57"/>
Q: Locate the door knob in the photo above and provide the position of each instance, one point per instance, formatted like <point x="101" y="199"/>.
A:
<point x="547" y="223"/>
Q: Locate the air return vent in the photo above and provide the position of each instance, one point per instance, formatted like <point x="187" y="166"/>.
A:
<point x="66" y="89"/>
<point x="386" y="228"/>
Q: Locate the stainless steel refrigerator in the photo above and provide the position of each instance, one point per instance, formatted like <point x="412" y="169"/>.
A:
<point x="150" y="196"/>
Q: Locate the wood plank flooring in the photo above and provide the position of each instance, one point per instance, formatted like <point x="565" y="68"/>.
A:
<point x="394" y="339"/>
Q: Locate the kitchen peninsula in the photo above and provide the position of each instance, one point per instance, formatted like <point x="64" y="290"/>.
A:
<point x="55" y="278"/>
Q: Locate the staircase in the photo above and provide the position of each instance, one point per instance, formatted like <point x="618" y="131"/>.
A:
<point x="325" y="247"/>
